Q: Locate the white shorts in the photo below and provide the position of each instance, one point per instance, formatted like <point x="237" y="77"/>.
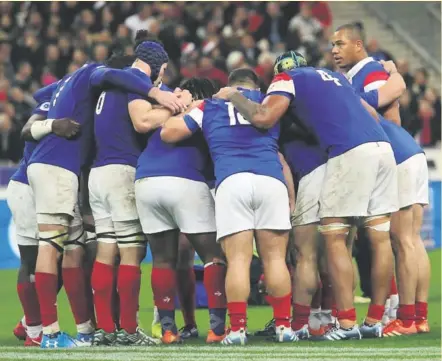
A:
<point x="166" y="203"/>
<point x="307" y="199"/>
<point x="55" y="190"/>
<point x="413" y="181"/>
<point x="246" y="201"/>
<point x="361" y="182"/>
<point x="20" y="200"/>
<point x="112" y="193"/>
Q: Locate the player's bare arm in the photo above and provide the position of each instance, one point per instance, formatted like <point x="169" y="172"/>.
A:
<point x="370" y="109"/>
<point x="290" y="183"/>
<point x="393" y="88"/>
<point x="263" y="115"/>
<point x="175" y="130"/>
<point x="168" y="100"/>
<point x="38" y="127"/>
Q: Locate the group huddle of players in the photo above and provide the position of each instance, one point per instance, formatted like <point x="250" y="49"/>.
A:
<point x="215" y="170"/>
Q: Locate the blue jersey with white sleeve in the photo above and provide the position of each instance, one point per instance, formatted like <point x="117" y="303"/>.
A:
<point x="327" y="105"/>
<point x="235" y="145"/>
<point x="21" y="174"/>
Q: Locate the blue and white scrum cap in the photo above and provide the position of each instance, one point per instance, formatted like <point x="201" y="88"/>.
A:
<point x="153" y="54"/>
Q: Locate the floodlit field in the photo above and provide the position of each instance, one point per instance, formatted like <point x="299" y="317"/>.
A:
<point x="419" y="347"/>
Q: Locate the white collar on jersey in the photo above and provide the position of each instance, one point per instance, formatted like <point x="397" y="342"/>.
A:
<point x="136" y="67"/>
<point x="353" y="71"/>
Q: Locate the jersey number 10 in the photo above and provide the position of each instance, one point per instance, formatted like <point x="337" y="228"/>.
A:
<point x="235" y="117"/>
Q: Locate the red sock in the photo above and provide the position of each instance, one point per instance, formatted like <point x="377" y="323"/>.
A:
<point x="375" y="313"/>
<point x="328" y="299"/>
<point x="334" y="310"/>
<point x="421" y="310"/>
<point x="29" y="301"/>
<point x="115" y="307"/>
<point x="186" y="285"/>
<point x="214" y="282"/>
<point x="89" y="295"/>
<point x="46" y="287"/>
<point x="238" y="315"/>
<point x="317" y="297"/>
<point x="300" y="316"/>
<point x="163" y="282"/>
<point x="347" y="315"/>
<point x="129" y="281"/>
<point x="393" y="286"/>
<point x="103" y="284"/>
<point x="407" y="314"/>
<point x="73" y="280"/>
<point x="281" y="310"/>
<point x="269" y="299"/>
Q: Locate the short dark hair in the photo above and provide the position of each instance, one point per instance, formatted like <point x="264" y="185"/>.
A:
<point x="356" y="28"/>
<point x="119" y="61"/>
<point x="200" y="88"/>
<point x="244" y="75"/>
<point x="143" y="35"/>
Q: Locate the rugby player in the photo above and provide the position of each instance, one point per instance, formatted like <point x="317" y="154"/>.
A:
<point x="53" y="172"/>
<point x="21" y="203"/>
<point x="251" y="200"/>
<point x="366" y="74"/>
<point x="112" y="197"/>
<point x="360" y="170"/>
<point x="173" y="196"/>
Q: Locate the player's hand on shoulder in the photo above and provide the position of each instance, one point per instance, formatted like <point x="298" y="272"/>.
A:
<point x="168" y="100"/>
<point x="389" y="66"/>
<point x="185" y="97"/>
<point x="65" y="127"/>
<point x="225" y="93"/>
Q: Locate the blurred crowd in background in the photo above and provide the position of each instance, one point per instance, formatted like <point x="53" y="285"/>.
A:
<point x="42" y="41"/>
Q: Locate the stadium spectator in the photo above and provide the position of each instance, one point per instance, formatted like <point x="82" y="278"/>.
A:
<point x="40" y="42"/>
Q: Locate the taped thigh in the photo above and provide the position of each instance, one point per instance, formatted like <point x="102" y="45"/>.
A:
<point x="77" y="238"/>
<point x="105" y="232"/>
<point x="55" y="239"/>
<point x="129" y="234"/>
<point x="378" y="223"/>
<point x="336" y="228"/>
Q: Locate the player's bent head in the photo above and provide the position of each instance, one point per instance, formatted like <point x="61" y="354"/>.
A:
<point x="245" y="77"/>
<point x="288" y="61"/>
<point x="152" y="57"/>
<point x="144" y="35"/>
<point x="200" y="88"/>
<point x="119" y="61"/>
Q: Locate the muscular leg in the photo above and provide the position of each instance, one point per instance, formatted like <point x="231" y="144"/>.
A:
<point x="214" y="278"/>
<point x="51" y="240"/>
<point x="340" y="268"/>
<point x="131" y="241"/>
<point x="406" y="260"/>
<point x="186" y="282"/>
<point x="423" y="265"/>
<point x="238" y="249"/>
<point x="272" y="248"/>
<point x="164" y="248"/>
<point x="26" y="290"/>
<point x="305" y="278"/>
<point x="378" y="232"/>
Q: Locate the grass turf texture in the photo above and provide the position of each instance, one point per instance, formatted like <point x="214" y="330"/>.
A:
<point x="418" y="347"/>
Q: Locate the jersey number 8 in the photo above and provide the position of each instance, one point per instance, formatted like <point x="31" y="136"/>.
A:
<point x="327" y="77"/>
<point x="235" y="117"/>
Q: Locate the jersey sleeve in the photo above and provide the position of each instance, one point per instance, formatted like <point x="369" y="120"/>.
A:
<point x="375" y="78"/>
<point x="133" y="96"/>
<point x="282" y="84"/>
<point x="371" y="97"/>
<point x="42" y="109"/>
<point x="194" y="119"/>
<point x="44" y="94"/>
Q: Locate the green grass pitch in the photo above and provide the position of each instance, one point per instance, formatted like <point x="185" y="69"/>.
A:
<point x="419" y="347"/>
